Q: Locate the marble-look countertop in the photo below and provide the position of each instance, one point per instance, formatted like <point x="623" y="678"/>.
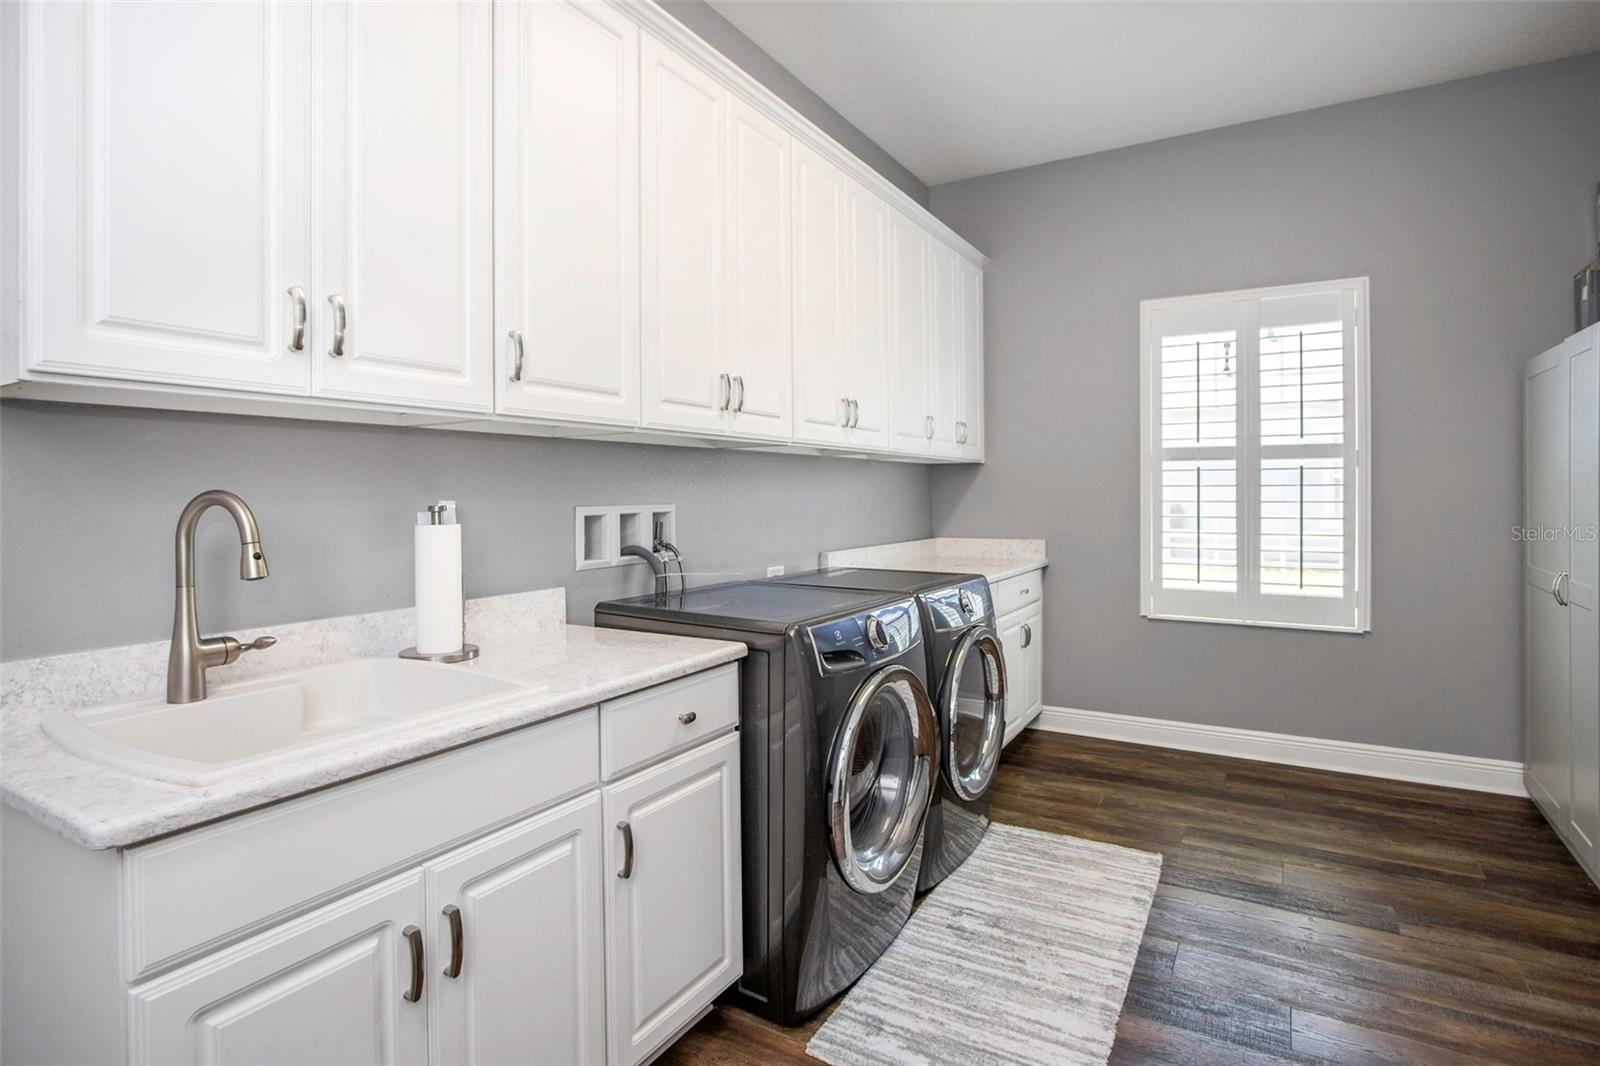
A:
<point x="994" y="557"/>
<point x="522" y="637"/>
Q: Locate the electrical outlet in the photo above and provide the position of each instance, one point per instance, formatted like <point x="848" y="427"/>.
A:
<point x="774" y="571"/>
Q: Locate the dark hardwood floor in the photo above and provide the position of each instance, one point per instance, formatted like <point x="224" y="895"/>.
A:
<point x="1306" y="916"/>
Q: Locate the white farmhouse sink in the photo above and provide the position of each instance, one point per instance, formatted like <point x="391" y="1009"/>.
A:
<point x="248" y="725"/>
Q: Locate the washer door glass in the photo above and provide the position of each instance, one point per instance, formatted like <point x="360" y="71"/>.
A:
<point x="974" y="712"/>
<point x="881" y="778"/>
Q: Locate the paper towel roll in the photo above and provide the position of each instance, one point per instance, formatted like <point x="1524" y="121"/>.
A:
<point x="439" y="598"/>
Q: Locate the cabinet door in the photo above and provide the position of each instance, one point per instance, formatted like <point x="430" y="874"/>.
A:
<point x="169" y="189"/>
<point x="910" y="363"/>
<point x="1583" y="612"/>
<point x="325" y="988"/>
<point x="867" y="310"/>
<point x="1019" y="659"/>
<point x="1033" y="655"/>
<point x="970" y="357"/>
<point x="673" y="922"/>
<point x="567" y="212"/>
<point x="947" y="376"/>
<point x="531" y="984"/>
<point x="1548" y="648"/>
<point x="684" y="374"/>
<point x="405" y="189"/>
<point x="821" y="409"/>
<point x="759" y="298"/>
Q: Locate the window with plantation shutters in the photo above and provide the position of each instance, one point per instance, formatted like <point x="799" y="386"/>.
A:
<point x="1253" y="422"/>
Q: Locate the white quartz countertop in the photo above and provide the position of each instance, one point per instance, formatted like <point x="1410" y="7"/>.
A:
<point x="995" y="558"/>
<point x="522" y="638"/>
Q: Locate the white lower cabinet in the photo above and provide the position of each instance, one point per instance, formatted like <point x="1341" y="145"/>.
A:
<point x="1019" y="609"/>
<point x="519" y="958"/>
<point x="484" y="905"/>
<point x="674" y="938"/>
<point x="327" y="987"/>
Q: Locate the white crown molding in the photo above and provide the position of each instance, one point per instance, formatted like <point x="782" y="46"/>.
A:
<point x="1371" y="760"/>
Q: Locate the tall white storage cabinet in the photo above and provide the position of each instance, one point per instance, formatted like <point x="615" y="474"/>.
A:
<point x="1561" y="571"/>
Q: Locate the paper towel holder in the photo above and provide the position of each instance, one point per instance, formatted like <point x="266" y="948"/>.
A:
<point x="462" y="654"/>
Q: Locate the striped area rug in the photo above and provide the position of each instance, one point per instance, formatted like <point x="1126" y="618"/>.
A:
<point x="1021" y="956"/>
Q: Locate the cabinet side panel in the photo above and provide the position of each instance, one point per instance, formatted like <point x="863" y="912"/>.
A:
<point x="60" y="984"/>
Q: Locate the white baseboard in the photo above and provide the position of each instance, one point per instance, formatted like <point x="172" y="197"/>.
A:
<point x="1372" y="760"/>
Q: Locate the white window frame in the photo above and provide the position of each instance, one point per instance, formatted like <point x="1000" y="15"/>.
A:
<point x="1246" y="605"/>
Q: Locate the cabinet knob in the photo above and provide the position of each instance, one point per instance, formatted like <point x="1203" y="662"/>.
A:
<point x="687" y="717"/>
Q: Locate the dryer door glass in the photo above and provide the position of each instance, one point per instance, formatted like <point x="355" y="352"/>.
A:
<point x="973" y="715"/>
<point x="881" y="778"/>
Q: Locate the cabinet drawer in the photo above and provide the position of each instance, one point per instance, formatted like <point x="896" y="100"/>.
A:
<point x="654" y="723"/>
<point x="198" y="888"/>
<point x="1015" y="592"/>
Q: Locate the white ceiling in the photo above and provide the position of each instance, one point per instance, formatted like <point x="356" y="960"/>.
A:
<point x="960" y="88"/>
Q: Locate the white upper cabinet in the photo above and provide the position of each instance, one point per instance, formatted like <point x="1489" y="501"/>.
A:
<point x="758" y="294"/>
<point x="567" y="212"/>
<point x="969" y="429"/>
<point x="910" y="336"/>
<point x="947" y="373"/>
<point x="822" y="409"/>
<point x="685" y="381"/>
<point x="868" y="307"/>
<point x="168" y="192"/>
<point x="570" y="212"/>
<point x="406" y="261"/>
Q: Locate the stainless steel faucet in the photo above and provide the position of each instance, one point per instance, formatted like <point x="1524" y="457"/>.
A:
<point x="192" y="655"/>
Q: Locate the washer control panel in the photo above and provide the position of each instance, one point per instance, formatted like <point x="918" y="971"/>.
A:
<point x="856" y="641"/>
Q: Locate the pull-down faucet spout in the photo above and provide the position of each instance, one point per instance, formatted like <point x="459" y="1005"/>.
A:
<point x="192" y="655"/>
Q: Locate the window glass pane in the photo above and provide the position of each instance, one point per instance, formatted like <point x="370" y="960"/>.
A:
<point x="1302" y="384"/>
<point x="1302" y="527"/>
<point x="1199" y="525"/>
<point x="1199" y="389"/>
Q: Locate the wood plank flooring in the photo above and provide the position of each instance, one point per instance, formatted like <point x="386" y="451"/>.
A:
<point x="1305" y="916"/>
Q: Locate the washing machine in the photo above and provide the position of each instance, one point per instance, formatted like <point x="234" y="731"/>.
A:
<point x="967" y="675"/>
<point x="839" y="750"/>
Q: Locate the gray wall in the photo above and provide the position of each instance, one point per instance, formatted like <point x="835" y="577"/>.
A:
<point x="726" y="38"/>
<point x="92" y="495"/>
<point x="1469" y="205"/>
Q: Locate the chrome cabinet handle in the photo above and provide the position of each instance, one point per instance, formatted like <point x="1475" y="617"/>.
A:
<point x="452" y="914"/>
<point x="297" y="340"/>
<point x="516" y="346"/>
<point x="961" y="433"/>
<point x="1027" y="634"/>
<point x="855" y="414"/>
<point x="688" y="717"/>
<point x="927" y="427"/>
<point x="627" y="851"/>
<point x="337" y="303"/>
<point x="413" y="937"/>
<point x="738" y="405"/>
<point x="1555" y="588"/>
<point x="844" y="404"/>
<point x="727" y="391"/>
